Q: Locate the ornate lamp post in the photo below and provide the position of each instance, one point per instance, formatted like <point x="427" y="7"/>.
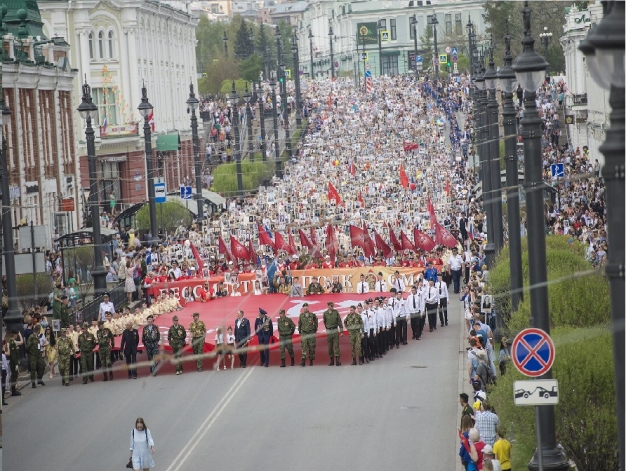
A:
<point x="604" y="49"/>
<point x="414" y="26"/>
<point x="234" y="99"/>
<point x="379" y="30"/>
<point x="332" y="56"/>
<point x="529" y="69"/>
<point x="545" y="39"/>
<point x="508" y="83"/>
<point x="247" y="97"/>
<point x="279" y="164"/>
<point x="192" y="105"/>
<point x="296" y="71"/>
<point x="483" y="154"/>
<point x="225" y="39"/>
<point x="434" y="22"/>
<point x="145" y="110"/>
<point x="87" y="109"/>
<point x="311" y="51"/>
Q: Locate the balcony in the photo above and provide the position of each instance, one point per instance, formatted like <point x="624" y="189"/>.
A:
<point x="579" y="100"/>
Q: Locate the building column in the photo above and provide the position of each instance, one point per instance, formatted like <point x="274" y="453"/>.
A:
<point x="134" y="85"/>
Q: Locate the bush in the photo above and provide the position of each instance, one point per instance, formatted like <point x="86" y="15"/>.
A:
<point x="569" y="298"/>
<point x="585" y="419"/>
<point x="26" y="289"/>
<point x="253" y="174"/>
<point x="169" y="216"/>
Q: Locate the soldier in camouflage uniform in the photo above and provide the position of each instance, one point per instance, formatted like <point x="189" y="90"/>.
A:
<point x="332" y="321"/>
<point x="197" y="329"/>
<point x="354" y="325"/>
<point x="314" y="287"/>
<point x="15" y="340"/>
<point x="104" y="337"/>
<point x="176" y="337"/>
<point x="307" y="327"/>
<point x="36" y="364"/>
<point x="65" y="347"/>
<point x="286" y="328"/>
<point x="86" y="345"/>
<point x="150" y="339"/>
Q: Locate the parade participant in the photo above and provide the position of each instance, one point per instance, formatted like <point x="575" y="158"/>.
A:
<point x="286" y="329"/>
<point x="230" y="347"/>
<point x="398" y="307"/>
<point x="372" y="328"/>
<point x="15" y="340"/>
<point x="381" y="285"/>
<point x="150" y="338"/>
<point x="414" y="309"/>
<point x="354" y="326"/>
<point x="314" y="287"/>
<point x="129" y="344"/>
<point x="332" y="322"/>
<point x="197" y="329"/>
<point x="363" y="287"/>
<point x="307" y="328"/>
<point x="364" y="340"/>
<point x="177" y="338"/>
<point x="219" y="347"/>
<point x="242" y="337"/>
<point x="431" y="302"/>
<point x="264" y="329"/>
<point x="36" y="363"/>
<point x="442" y="291"/>
<point x="456" y="267"/>
<point x="105" y="341"/>
<point x="86" y="345"/>
<point x="65" y="349"/>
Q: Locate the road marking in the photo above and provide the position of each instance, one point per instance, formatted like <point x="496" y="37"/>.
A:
<point x="179" y="461"/>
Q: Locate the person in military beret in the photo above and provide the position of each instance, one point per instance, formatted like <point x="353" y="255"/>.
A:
<point x="307" y="327"/>
<point x="332" y="322"/>
<point x="104" y="337"/>
<point x="197" y="329"/>
<point x="286" y="328"/>
<point x="86" y="345"/>
<point x="264" y="329"/>
<point x="177" y="338"/>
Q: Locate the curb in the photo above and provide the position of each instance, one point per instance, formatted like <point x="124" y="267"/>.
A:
<point x="462" y="384"/>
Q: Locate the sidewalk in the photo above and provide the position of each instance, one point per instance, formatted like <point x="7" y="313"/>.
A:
<point x="463" y="385"/>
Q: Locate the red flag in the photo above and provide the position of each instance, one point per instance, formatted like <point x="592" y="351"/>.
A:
<point x="431" y="211"/>
<point x="264" y="237"/>
<point x="423" y="241"/>
<point x="352" y="169"/>
<point x="223" y="249"/>
<point x="333" y="194"/>
<point x="368" y="239"/>
<point x="406" y="243"/>
<point x="410" y="146"/>
<point x="251" y="252"/>
<point x="331" y="243"/>
<point x="196" y="255"/>
<point x="280" y="243"/>
<point x="292" y="245"/>
<point x="404" y="180"/>
<point x="382" y="245"/>
<point x="304" y="240"/>
<point x="397" y="246"/>
<point x="447" y="187"/>
<point x="238" y="249"/>
<point x="315" y="250"/>
<point x="357" y="238"/>
<point x="443" y="237"/>
<point x="361" y="201"/>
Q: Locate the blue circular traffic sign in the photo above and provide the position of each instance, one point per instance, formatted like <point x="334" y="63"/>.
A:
<point x="533" y="352"/>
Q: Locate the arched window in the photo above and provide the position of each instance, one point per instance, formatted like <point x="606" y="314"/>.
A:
<point x="101" y="44"/>
<point x="111" y="47"/>
<point x="91" y="45"/>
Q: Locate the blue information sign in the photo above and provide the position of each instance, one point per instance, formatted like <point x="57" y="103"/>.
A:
<point x="159" y="193"/>
<point x="533" y="352"/>
<point x="558" y="170"/>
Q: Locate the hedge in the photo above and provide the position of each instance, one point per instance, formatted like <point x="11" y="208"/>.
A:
<point x="253" y="174"/>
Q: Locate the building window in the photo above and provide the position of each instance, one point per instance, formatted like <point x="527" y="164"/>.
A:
<point x="394" y="31"/>
<point x="101" y="44"/>
<point x="91" y="45"/>
<point x="109" y="182"/>
<point x="104" y="99"/>
<point x="458" y="24"/>
<point x="411" y="30"/>
<point x="383" y="24"/>
<point x="429" y="19"/>
<point x="390" y="65"/>
<point x="448" y="23"/>
<point x="111" y="45"/>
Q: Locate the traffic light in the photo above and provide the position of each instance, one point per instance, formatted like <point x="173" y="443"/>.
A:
<point x="448" y="64"/>
<point x="281" y="79"/>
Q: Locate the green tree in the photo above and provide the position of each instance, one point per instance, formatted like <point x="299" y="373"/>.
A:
<point x="27" y="285"/>
<point x="243" y="48"/>
<point x="263" y="47"/>
<point x="550" y="14"/>
<point x="427" y="47"/>
<point x="220" y="69"/>
<point x="250" y="68"/>
<point x="227" y="88"/>
<point x="169" y="215"/>
<point x="253" y="174"/>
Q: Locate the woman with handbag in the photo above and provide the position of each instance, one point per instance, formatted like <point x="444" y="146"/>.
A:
<point x="141" y="447"/>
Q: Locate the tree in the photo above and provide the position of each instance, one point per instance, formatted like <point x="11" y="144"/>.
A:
<point x="428" y="48"/>
<point x="263" y="47"/>
<point x="243" y="48"/>
<point x="548" y="13"/>
<point x="456" y="38"/>
<point x="250" y="68"/>
<point x="26" y="289"/>
<point x="227" y="87"/>
<point x="170" y="216"/>
<point x="220" y="69"/>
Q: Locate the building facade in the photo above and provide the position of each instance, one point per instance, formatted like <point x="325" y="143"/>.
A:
<point x="349" y="20"/>
<point x="117" y="46"/>
<point x="38" y="88"/>
<point x="585" y="101"/>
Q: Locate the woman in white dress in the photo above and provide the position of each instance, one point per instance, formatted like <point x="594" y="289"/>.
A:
<point x="141" y="446"/>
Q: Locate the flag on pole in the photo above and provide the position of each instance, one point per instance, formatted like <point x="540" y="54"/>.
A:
<point x="315" y="251"/>
<point x="423" y="241"/>
<point x="264" y="237"/>
<point x="196" y="255"/>
<point x="368" y="239"/>
<point x="361" y="201"/>
<point x="357" y="238"/>
<point x="151" y="120"/>
<point x="331" y="242"/>
<point x="382" y="245"/>
<point x="431" y="211"/>
<point x="397" y="246"/>
<point x="333" y="194"/>
<point x="292" y="245"/>
<point x="280" y="244"/>
<point x="105" y="123"/>
<point x="404" y="179"/>
<point x="238" y="249"/>
<point x="251" y="252"/>
<point x="406" y="243"/>
<point x="443" y="237"/>
<point x="447" y="187"/>
<point x="352" y="169"/>
<point x="223" y="249"/>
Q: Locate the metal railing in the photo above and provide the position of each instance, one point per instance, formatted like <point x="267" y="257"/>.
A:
<point x="580" y="99"/>
<point x="89" y="312"/>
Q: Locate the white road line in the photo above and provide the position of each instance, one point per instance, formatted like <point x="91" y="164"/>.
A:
<point x="179" y="461"/>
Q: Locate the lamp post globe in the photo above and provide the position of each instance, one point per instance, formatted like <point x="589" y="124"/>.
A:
<point x="145" y="110"/>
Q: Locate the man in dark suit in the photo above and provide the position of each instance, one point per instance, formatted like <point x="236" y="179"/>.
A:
<point x="130" y="342"/>
<point x="242" y="337"/>
<point x="264" y="329"/>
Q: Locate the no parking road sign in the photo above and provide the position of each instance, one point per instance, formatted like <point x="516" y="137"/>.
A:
<point x="533" y="352"/>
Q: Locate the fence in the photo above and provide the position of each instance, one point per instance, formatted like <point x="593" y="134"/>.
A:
<point x="89" y="312"/>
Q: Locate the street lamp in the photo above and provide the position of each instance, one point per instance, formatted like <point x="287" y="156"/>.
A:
<point x="414" y="26"/>
<point x="283" y="91"/>
<point x="483" y="153"/>
<point x="508" y="83"/>
<point x="311" y="51"/>
<point x="604" y="50"/>
<point x="87" y="109"/>
<point x="545" y="39"/>
<point x="192" y="105"/>
<point x="13" y="317"/>
<point x="225" y="39"/>
<point x="434" y="22"/>
<point x="145" y="110"/>
<point x="279" y="164"/>
<point x="247" y="97"/>
<point x="379" y="29"/>
<point x="296" y="71"/>
<point x="332" y="56"/>
<point x="234" y="99"/>
<point x="251" y="41"/>
<point x="529" y="69"/>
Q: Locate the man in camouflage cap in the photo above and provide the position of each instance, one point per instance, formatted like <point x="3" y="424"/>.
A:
<point x="354" y="325"/>
<point x="86" y="345"/>
<point x="177" y="338"/>
<point x="286" y="328"/>
<point x="307" y="327"/>
<point x="36" y="364"/>
<point x="65" y="347"/>
<point x="104" y="337"/>
<point x="197" y="329"/>
<point x="332" y="322"/>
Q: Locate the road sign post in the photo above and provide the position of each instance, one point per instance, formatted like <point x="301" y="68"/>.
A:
<point x="536" y="392"/>
<point x="533" y="352"/>
<point x="160" y="195"/>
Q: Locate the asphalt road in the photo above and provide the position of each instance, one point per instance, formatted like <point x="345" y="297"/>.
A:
<point x="397" y="413"/>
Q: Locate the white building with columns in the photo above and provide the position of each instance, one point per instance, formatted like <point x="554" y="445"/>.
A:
<point x="585" y="100"/>
<point x="118" y="45"/>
